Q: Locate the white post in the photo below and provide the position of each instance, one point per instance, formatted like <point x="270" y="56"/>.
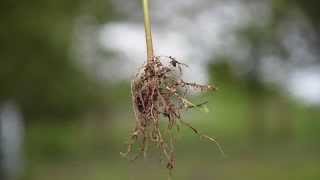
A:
<point x="11" y="141"/>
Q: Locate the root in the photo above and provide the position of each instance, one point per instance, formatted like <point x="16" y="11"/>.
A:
<point x="204" y="136"/>
<point x="158" y="92"/>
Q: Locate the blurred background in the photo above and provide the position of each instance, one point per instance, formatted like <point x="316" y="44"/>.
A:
<point x="65" y="70"/>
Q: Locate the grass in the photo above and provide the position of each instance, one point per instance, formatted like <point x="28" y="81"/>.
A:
<point x="74" y="151"/>
<point x="194" y="163"/>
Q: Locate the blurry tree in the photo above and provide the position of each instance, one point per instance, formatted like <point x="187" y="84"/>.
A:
<point x="311" y="9"/>
<point x="283" y="8"/>
<point x="256" y="38"/>
<point x="265" y="40"/>
<point x="36" y="68"/>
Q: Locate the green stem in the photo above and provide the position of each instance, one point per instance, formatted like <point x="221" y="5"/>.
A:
<point x="147" y="26"/>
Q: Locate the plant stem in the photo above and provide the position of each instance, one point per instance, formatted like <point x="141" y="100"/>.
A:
<point x="147" y="26"/>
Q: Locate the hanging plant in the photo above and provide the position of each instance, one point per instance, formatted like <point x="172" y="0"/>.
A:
<point x="159" y="93"/>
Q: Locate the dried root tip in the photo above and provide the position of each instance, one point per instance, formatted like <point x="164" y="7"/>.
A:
<point x="156" y="92"/>
<point x="205" y="136"/>
<point x="203" y="88"/>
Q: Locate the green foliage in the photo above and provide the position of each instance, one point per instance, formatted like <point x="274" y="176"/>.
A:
<point x="36" y="68"/>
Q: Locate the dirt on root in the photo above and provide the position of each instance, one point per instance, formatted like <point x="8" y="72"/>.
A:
<point x="159" y="93"/>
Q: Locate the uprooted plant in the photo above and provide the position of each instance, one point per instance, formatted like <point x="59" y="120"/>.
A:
<point x="159" y="93"/>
